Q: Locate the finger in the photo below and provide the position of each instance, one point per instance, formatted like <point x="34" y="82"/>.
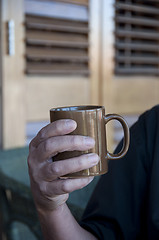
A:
<point x="60" y="186"/>
<point x="54" y="145"/>
<point x="51" y="171"/>
<point x="57" y="128"/>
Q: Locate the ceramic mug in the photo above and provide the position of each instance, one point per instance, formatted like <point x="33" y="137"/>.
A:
<point x="91" y="121"/>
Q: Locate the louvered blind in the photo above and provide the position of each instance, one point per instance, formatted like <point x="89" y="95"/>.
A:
<point x="57" y="45"/>
<point x="137" y="37"/>
<point x="78" y="2"/>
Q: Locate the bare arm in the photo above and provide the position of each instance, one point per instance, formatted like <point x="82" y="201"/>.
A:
<point x="60" y="224"/>
<point x="49" y="191"/>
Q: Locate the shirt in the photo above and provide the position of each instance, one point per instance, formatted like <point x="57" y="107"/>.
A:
<point x="125" y="202"/>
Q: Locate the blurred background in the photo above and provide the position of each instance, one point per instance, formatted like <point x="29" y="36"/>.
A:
<point x="75" y="52"/>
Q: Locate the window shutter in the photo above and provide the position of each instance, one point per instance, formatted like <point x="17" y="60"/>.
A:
<point x="78" y="2"/>
<point x="136" y="37"/>
<point x="56" y="45"/>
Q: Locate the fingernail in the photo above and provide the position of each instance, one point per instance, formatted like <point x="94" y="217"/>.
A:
<point x="89" y="141"/>
<point x="70" y="123"/>
<point x="94" y="158"/>
<point x="90" y="179"/>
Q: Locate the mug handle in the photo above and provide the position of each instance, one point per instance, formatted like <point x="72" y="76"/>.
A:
<point x="126" y="140"/>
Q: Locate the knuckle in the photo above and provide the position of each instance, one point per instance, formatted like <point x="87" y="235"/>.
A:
<point x="41" y="134"/>
<point x="81" y="162"/>
<point x="30" y="170"/>
<point x="75" y="141"/>
<point x="46" y="146"/>
<point x="65" y="187"/>
<point x="34" y="179"/>
<point x="55" y="170"/>
<point x="58" y="126"/>
<point x="30" y="167"/>
<point x="43" y="189"/>
<point x="29" y="161"/>
<point x="55" y="191"/>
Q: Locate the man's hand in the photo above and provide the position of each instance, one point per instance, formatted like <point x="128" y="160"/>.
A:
<point x="49" y="191"/>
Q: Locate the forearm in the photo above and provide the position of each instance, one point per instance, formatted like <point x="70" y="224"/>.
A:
<point x="61" y="225"/>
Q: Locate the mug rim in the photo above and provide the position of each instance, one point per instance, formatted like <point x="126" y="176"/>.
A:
<point x="77" y="108"/>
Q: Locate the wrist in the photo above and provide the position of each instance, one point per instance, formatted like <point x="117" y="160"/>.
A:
<point x="58" y="211"/>
<point x="51" y="205"/>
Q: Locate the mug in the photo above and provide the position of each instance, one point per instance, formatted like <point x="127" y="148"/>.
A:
<point x="91" y="121"/>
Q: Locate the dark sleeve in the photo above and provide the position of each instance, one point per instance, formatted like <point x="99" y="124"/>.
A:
<point x="118" y="208"/>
